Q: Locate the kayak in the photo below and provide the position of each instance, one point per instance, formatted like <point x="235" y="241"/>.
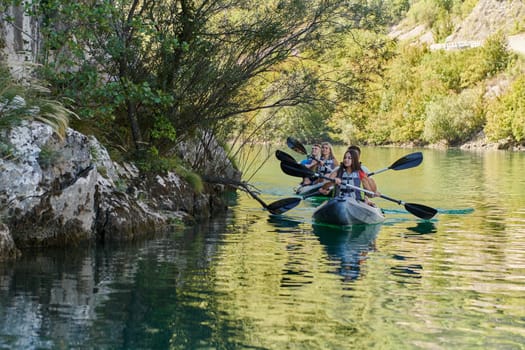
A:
<point x="348" y="211"/>
<point x="308" y="190"/>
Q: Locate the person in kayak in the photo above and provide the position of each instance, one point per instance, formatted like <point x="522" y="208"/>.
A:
<point x="364" y="168"/>
<point x="312" y="162"/>
<point x="350" y="172"/>
<point x="328" y="161"/>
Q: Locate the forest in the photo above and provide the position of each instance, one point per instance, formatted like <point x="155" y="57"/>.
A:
<point x="144" y="75"/>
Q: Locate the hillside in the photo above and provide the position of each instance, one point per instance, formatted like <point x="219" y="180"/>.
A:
<point x="486" y="18"/>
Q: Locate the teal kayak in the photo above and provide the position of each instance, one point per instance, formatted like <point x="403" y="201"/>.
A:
<point x="347" y="211"/>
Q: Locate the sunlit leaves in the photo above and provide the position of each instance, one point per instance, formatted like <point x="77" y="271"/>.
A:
<point x="454" y="118"/>
<point x="506" y="116"/>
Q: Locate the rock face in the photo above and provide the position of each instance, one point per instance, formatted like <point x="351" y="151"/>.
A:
<point x="8" y="249"/>
<point x="61" y="192"/>
<point x="489" y="16"/>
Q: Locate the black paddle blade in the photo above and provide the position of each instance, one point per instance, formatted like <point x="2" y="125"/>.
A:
<point x="284" y="157"/>
<point x="421" y="211"/>
<point x="283" y="205"/>
<point x="409" y="161"/>
<point x="296" y="145"/>
<point x="297" y="170"/>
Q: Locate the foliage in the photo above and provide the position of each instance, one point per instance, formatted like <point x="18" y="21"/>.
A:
<point x="145" y="75"/>
<point x="149" y="73"/>
<point x="30" y="101"/>
<point x="427" y="92"/>
<point x="150" y="161"/>
<point x="352" y="71"/>
<point x="454" y="118"/>
<point x="438" y="15"/>
<point x="494" y="55"/>
<point x="396" y="10"/>
<point x="308" y="123"/>
<point x="424" y="12"/>
<point x="506" y="116"/>
<point x="463" y="8"/>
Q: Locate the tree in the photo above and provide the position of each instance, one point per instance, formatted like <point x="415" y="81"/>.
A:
<point x="148" y="74"/>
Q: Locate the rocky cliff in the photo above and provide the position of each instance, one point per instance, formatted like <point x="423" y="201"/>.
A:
<point x="64" y="191"/>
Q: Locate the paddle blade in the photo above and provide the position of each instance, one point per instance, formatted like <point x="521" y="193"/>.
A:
<point x="421" y="211"/>
<point x="409" y="161"/>
<point x="296" y="145"/>
<point x="297" y="170"/>
<point x="284" y="157"/>
<point x="283" y="205"/>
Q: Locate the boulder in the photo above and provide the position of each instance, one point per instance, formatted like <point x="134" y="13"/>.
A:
<point x="60" y="192"/>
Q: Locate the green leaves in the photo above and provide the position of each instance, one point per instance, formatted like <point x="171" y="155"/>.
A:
<point x="506" y="116"/>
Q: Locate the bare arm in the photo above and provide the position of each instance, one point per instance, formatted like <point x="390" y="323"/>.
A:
<point x="325" y="189"/>
<point x="370" y="184"/>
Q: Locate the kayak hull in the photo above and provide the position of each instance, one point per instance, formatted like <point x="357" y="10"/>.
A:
<point x="308" y="190"/>
<point x="348" y="211"/>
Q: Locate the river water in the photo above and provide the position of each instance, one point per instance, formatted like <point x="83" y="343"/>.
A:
<point x="253" y="281"/>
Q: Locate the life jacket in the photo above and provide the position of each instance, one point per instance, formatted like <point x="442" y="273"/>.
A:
<point x="309" y="159"/>
<point x="328" y="166"/>
<point x="353" y="178"/>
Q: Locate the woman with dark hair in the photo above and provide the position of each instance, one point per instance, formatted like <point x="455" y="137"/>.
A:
<point x="364" y="168"/>
<point x="350" y="173"/>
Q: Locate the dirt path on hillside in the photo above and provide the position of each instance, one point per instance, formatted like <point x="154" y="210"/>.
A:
<point x="517" y="43"/>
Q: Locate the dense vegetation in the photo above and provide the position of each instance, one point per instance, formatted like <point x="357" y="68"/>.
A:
<point x="146" y="75"/>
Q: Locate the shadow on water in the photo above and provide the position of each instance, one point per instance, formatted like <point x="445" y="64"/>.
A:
<point x="283" y="221"/>
<point x="348" y="246"/>
<point x="423" y="228"/>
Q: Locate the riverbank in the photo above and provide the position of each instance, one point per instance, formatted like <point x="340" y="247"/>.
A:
<point x="66" y="191"/>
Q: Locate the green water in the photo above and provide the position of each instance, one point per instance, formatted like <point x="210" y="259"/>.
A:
<point x="252" y="281"/>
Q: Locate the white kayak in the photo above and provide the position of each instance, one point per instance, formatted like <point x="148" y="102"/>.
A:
<point x="348" y="211"/>
<point x="307" y="190"/>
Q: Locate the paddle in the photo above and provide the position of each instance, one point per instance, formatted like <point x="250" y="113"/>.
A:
<point x="284" y="157"/>
<point x="296" y="145"/>
<point x="277" y="207"/>
<point x="419" y="210"/>
<point x="409" y="161"/>
<point x="283" y="205"/>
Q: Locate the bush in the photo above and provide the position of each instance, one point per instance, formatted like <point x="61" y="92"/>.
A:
<point x="506" y="117"/>
<point x="495" y="55"/>
<point x="455" y="118"/>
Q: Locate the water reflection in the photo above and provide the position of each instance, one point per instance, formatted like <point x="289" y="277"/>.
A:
<point x="260" y="282"/>
<point x="423" y="228"/>
<point x="348" y="246"/>
<point x="282" y="221"/>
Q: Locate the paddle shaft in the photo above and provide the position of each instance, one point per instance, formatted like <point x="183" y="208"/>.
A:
<point x="373" y="194"/>
<point x="256" y="197"/>
<point x="379" y="171"/>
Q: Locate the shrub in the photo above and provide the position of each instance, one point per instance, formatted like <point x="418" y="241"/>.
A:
<point x="30" y="101"/>
<point x="495" y="55"/>
<point x="455" y="118"/>
<point x="506" y="116"/>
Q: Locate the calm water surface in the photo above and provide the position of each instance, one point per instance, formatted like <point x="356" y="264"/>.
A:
<point x="252" y="281"/>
